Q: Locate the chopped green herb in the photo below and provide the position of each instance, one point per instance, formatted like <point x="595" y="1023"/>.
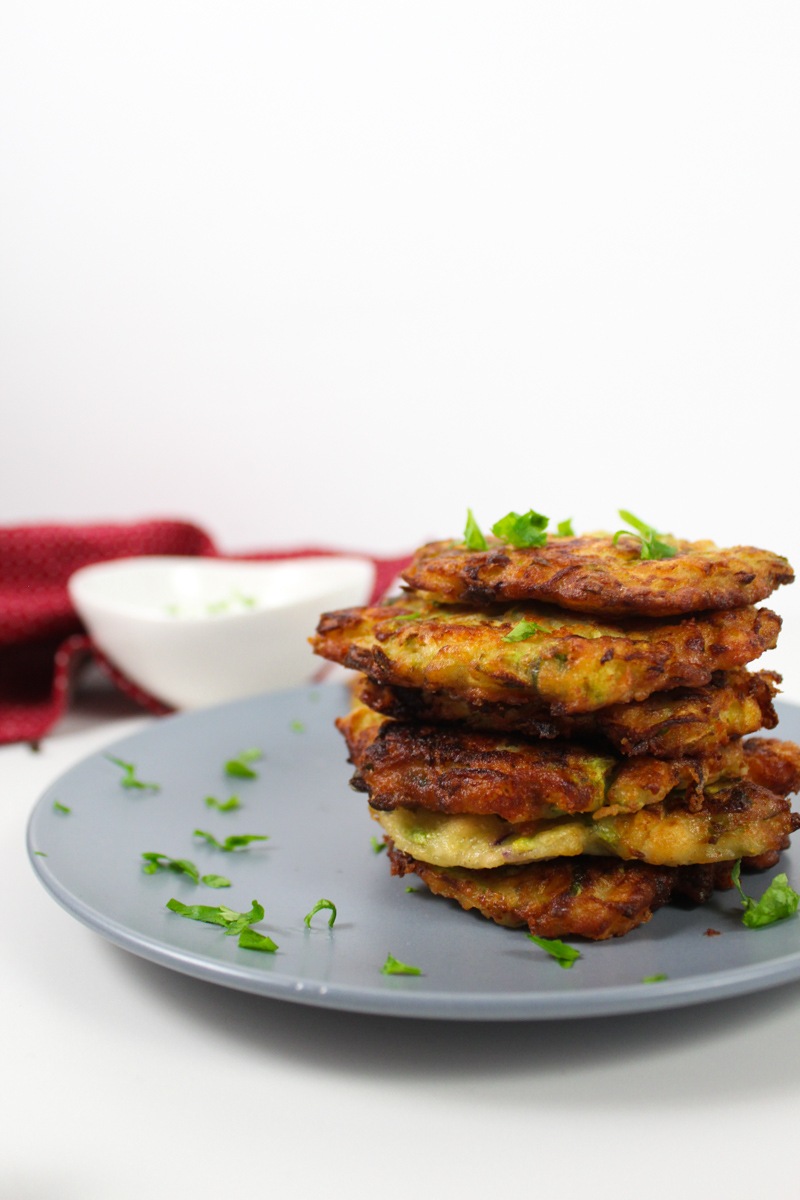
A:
<point x="473" y="537"/>
<point x="232" y="922"/>
<point x="250" y="940"/>
<point x="522" y="530"/>
<point x="393" y="966"/>
<point x="523" y="630"/>
<point x="239" y="766"/>
<point x="564" y="955"/>
<point x="40" y="853"/>
<point x="651" y="546"/>
<point x="240" y="921"/>
<point x="653" y="978"/>
<point x="236" y="841"/>
<point x="410" y="889"/>
<point x="409" y="616"/>
<point x="62" y="808"/>
<point x="564" y="528"/>
<point x="228" y="806"/>
<point x="778" y="901"/>
<point x="129" y="779"/>
<point x="182" y="865"/>
<point x="216" y="881"/>
<point x="376" y="845"/>
<point x="317" y="908"/>
<point x="297" y="727"/>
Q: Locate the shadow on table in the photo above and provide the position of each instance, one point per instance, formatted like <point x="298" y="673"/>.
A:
<point x="682" y="1056"/>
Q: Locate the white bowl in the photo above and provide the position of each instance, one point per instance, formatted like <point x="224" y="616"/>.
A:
<point x="199" y="631"/>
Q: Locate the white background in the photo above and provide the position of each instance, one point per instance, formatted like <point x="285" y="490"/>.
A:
<point x="329" y="272"/>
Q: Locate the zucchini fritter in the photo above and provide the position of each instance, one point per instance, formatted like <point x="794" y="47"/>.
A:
<point x="591" y="574"/>
<point x="448" y="769"/>
<point x="740" y="821"/>
<point x="589" y="897"/>
<point x="668" y="724"/>
<point x="773" y="764"/>
<point x="573" y="663"/>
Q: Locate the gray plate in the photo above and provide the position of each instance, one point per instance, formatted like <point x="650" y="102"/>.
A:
<point x="320" y="846"/>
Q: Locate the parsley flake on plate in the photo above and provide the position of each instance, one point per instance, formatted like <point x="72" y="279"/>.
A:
<point x="182" y="866"/>
<point x="62" y="808"/>
<point x="129" y="779"/>
<point x="216" y="881"/>
<point x="239" y="767"/>
<point x="318" y="908"/>
<point x="237" y="841"/>
<point x="523" y="630"/>
<point x="376" y="845"/>
<point x="393" y="966"/>
<point x="779" y="901"/>
<point x="231" y="921"/>
<point x="650" y="545"/>
<point x="521" y="530"/>
<point x="40" y="853"/>
<point x="564" y="955"/>
<point x="654" y="978"/>
<point x="297" y="727"/>
<point x="228" y="806"/>
<point x="473" y="538"/>
<point x="249" y="939"/>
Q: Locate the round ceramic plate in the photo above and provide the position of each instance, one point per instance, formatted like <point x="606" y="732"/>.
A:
<point x="320" y="846"/>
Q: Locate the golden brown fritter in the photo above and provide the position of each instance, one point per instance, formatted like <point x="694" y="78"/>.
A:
<point x="588" y="897"/>
<point x="685" y="721"/>
<point x="741" y="820"/>
<point x="591" y="574"/>
<point x="454" y="770"/>
<point x="773" y="764"/>
<point x="573" y="663"/>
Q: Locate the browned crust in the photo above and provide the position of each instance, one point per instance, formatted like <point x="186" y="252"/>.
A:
<point x="591" y="574"/>
<point x="686" y="721"/>
<point x="774" y="764"/>
<point x="574" y="665"/>
<point x="585" y="897"/>
<point x="455" y="770"/>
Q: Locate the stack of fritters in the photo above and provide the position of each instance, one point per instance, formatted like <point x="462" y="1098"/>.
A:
<point x="553" y="734"/>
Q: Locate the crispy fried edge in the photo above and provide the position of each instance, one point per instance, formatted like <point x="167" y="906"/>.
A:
<point x="591" y="574"/>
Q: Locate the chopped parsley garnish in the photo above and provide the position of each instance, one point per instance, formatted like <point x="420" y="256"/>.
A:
<point x="249" y="939"/>
<point x="410" y="889"/>
<point x="297" y="727"/>
<point x="523" y="530"/>
<point x="651" y="546"/>
<point x="228" y="806"/>
<point x="778" y="901"/>
<point x="523" y="630"/>
<point x="182" y="865"/>
<point x="376" y="845"/>
<point x="473" y="538"/>
<point x="393" y="966"/>
<point x="129" y="779"/>
<point x="564" y="528"/>
<point x="232" y="922"/>
<point x="564" y="955"/>
<point x="40" y="853"/>
<point x="317" y="908"/>
<point x="240" y="768"/>
<point x="216" y="881"/>
<point x="62" y="808"/>
<point x="654" y="978"/>
<point x="237" y="841"/>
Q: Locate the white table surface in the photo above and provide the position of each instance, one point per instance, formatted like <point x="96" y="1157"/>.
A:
<point x="123" y="1079"/>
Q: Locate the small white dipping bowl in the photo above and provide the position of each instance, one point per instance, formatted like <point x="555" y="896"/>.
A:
<point x="199" y="631"/>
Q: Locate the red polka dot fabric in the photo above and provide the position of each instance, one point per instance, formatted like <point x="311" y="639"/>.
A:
<point x="42" y="641"/>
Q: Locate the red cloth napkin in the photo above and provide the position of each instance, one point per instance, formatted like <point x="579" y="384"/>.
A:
<point x="42" y="640"/>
